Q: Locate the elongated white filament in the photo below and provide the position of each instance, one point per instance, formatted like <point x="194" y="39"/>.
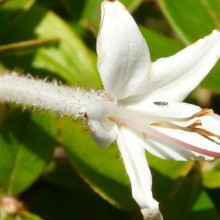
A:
<point x="126" y="117"/>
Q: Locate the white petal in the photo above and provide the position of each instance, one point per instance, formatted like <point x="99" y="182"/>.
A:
<point x="103" y="133"/>
<point x="212" y="123"/>
<point x="123" y="56"/>
<point x="170" y="151"/>
<point x="136" y="165"/>
<point x="102" y="130"/>
<point x="173" y="78"/>
<point x="162" y="108"/>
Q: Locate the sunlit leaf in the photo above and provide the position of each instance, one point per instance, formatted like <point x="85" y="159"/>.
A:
<point x="211" y="176"/>
<point x="26" y="145"/>
<point x="192" y="20"/>
<point x="69" y="58"/>
<point x="159" y="44"/>
<point x="211" y="179"/>
<point x="91" y="13"/>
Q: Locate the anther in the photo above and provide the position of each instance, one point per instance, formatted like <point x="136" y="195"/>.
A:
<point x="195" y="124"/>
<point x="156" y="124"/>
<point x="204" y="112"/>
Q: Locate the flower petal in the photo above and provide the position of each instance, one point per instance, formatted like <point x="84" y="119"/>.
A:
<point x="136" y="165"/>
<point x="162" y="108"/>
<point x="123" y="55"/>
<point x="102" y="130"/>
<point x="173" y="78"/>
<point x="103" y="133"/>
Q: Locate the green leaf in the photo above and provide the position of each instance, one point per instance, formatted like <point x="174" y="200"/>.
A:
<point x="189" y="201"/>
<point x="192" y="20"/>
<point x="91" y="13"/>
<point x="203" y="208"/>
<point x="22" y="216"/>
<point x="160" y="45"/>
<point x="168" y="173"/>
<point x="102" y="169"/>
<point x="29" y="216"/>
<point x="26" y="146"/>
<point x="12" y="10"/>
<point x="211" y="177"/>
<point x="62" y="174"/>
<point x="53" y="202"/>
<point x="131" y="5"/>
<point x="69" y="58"/>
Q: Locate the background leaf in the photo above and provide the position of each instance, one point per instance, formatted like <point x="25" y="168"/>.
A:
<point x="159" y="44"/>
<point x="91" y="10"/>
<point x="170" y="173"/>
<point x="76" y="200"/>
<point x="30" y="216"/>
<point x="211" y="174"/>
<point x="192" y="20"/>
<point x="11" y="11"/>
<point x="101" y="169"/>
<point x="56" y="59"/>
<point x="190" y="201"/>
<point x="26" y="145"/>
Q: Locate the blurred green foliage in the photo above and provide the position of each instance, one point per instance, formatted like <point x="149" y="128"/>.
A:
<point x="51" y="164"/>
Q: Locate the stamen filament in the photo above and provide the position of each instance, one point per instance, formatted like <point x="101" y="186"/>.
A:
<point x="191" y="128"/>
<point x="156" y="118"/>
<point x="126" y="117"/>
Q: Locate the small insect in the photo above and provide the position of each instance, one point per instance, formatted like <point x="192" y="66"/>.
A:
<point x="160" y="103"/>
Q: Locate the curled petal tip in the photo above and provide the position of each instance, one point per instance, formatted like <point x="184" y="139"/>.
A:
<point x="149" y="214"/>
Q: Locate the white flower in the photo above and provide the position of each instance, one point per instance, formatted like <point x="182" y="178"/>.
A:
<point x="145" y="108"/>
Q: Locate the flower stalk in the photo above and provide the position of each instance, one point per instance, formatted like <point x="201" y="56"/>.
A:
<point x="37" y="93"/>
